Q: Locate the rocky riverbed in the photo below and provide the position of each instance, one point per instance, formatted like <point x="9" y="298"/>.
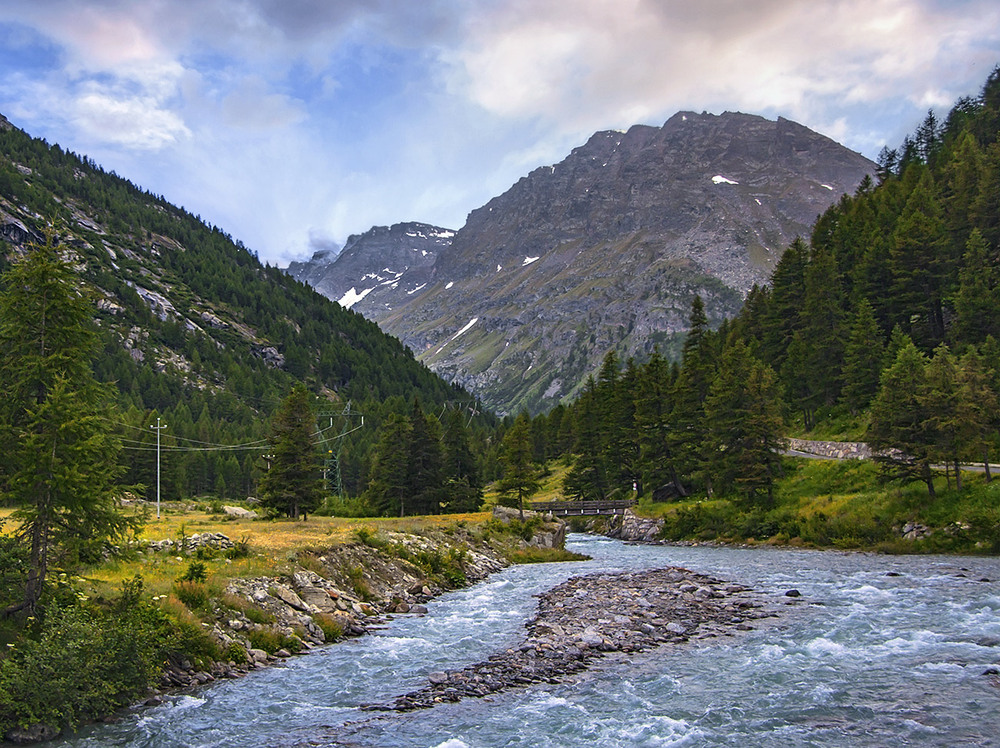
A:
<point x="587" y="617"/>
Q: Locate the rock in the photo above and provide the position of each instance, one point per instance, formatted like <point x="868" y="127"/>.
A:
<point x="418" y="608"/>
<point x="289" y="598"/>
<point x="239" y="512"/>
<point x="33" y="734"/>
<point x="438" y="677"/>
<point x="793" y="593"/>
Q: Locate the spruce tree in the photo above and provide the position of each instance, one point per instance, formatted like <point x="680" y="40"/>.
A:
<point x="520" y="474"/>
<point x="864" y="354"/>
<point x="58" y="451"/>
<point x="426" y="462"/>
<point x="389" y="487"/>
<point x="463" y="487"/>
<point x="293" y="484"/>
<point x="899" y="433"/>
<point x="744" y="424"/>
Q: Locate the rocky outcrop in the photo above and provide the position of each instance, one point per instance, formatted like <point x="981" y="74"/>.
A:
<point x="548" y="533"/>
<point x="630" y="526"/>
<point x="587" y="617"/>
<point x="377" y="270"/>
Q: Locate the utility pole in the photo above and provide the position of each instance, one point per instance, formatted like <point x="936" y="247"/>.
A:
<point x="157" y="428"/>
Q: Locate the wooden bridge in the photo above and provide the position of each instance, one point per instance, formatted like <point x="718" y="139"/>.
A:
<point x="582" y="508"/>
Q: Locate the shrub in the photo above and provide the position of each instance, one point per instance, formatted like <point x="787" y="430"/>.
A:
<point x="271" y="641"/>
<point x="84" y="662"/>
<point x="192" y="594"/>
<point x="196" y="572"/>
<point x="331" y="626"/>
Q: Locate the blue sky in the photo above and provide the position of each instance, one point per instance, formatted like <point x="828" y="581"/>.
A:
<point x="294" y="123"/>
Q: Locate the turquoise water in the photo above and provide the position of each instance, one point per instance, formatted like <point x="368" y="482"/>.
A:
<point x="861" y="659"/>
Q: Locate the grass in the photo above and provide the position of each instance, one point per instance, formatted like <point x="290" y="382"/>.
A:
<point x="823" y="503"/>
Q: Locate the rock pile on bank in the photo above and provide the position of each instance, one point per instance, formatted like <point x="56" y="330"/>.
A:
<point x="587" y="617"/>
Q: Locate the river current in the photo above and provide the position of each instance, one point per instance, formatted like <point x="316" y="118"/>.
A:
<point x="878" y="651"/>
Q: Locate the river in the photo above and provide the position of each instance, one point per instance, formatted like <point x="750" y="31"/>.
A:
<point x="878" y="650"/>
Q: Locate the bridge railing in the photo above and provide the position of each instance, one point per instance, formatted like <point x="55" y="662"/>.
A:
<point x="583" y="508"/>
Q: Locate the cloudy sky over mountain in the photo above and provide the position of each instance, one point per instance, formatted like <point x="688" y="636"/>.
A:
<point x="293" y="123"/>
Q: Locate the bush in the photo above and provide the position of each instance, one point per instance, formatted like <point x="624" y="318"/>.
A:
<point x="84" y="662"/>
<point x="271" y="641"/>
<point x="331" y="626"/>
<point x="192" y="594"/>
<point x="196" y="572"/>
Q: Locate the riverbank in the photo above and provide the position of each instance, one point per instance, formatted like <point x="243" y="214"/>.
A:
<point x="588" y="617"/>
<point x="206" y="631"/>
<point x="830" y="504"/>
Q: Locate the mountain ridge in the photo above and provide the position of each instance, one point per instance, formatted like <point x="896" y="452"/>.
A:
<point x="607" y="248"/>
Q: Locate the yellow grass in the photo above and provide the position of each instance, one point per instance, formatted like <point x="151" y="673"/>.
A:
<point x="273" y="545"/>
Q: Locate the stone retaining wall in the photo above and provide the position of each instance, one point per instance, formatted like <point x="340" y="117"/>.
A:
<point x="833" y="450"/>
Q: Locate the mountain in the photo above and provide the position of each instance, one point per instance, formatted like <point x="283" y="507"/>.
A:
<point x="376" y="268"/>
<point x="606" y="249"/>
<point x="196" y="330"/>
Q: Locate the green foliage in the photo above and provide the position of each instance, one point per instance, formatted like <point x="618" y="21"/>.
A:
<point x="293" y="484"/>
<point x="84" y="662"/>
<point x="520" y="474"/>
<point x="271" y="640"/>
<point x="57" y="449"/>
<point x="196" y="572"/>
<point x="192" y="594"/>
<point x="331" y="626"/>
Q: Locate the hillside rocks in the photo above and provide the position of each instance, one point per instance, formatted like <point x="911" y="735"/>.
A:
<point x="377" y="268"/>
<point x="630" y="526"/>
<point x="587" y="617"/>
<point x="345" y="591"/>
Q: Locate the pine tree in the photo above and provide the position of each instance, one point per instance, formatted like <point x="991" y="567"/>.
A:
<point x="520" y="474"/>
<point x="463" y="487"/>
<point x="743" y="416"/>
<point x="899" y="433"/>
<point x="426" y="462"/>
<point x="864" y="354"/>
<point x="58" y="453"/>
<point x="293" y="484"/>
<point x="587" y="478"/>
<point x="977" y="301"/>
<point x="389" y="486"/>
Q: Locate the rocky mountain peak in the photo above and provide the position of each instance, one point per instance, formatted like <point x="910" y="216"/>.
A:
<point x="604" y="250"/>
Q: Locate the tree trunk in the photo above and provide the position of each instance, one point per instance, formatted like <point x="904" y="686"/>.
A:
<point x="928" y="475"/>
<point x="986" y="466"/>
<point x="958" y="476"/>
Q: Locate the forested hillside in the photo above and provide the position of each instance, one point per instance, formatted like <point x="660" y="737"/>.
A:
<point x="886" y="320"/>
<point x="197" y="332"/>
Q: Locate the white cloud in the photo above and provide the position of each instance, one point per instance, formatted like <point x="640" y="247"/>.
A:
<point x="136" y="122"/>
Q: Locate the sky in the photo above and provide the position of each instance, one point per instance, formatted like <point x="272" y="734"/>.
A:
<point x="292" y="124"/>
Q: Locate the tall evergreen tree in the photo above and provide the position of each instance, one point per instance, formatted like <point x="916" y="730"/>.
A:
<point x="520" y="474"/>
<point x="744" y="420"/>
<point x="899" y="433"/>
<point x="389" y="486"/>
<point x="426" y="462"/>
<point x="463" y="487"/>
<point x="587" y="478"/>
<point x="58" y="452"/>
<point x="864" y="355"/>
<point x="293" y="484"/>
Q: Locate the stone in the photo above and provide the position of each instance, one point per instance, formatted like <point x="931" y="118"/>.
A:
<point x="239" y="512"/>
<point x="792" y="593"/>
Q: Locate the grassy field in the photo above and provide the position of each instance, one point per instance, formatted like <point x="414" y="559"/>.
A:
<point x="823" y="503"/>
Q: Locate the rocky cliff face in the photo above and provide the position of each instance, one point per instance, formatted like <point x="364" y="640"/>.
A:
<point x="377" y="270"/>
<point x="606" y="249"/>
